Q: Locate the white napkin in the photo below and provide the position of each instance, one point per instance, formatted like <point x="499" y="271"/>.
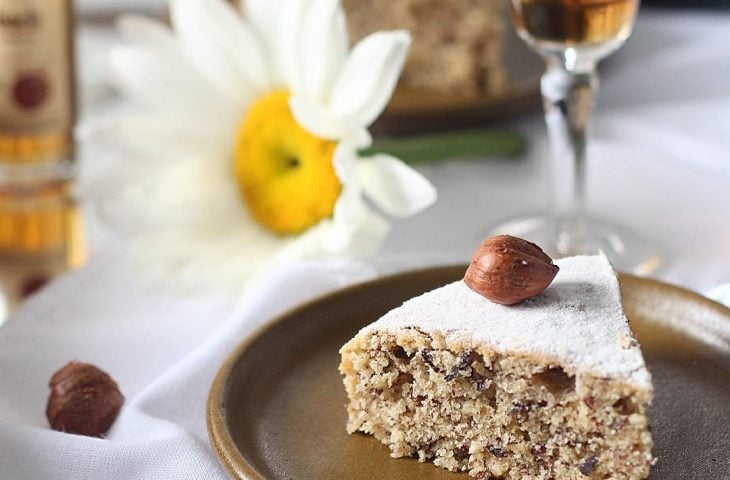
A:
<point x="721" y="294"/>
<point x="163" y="353"/>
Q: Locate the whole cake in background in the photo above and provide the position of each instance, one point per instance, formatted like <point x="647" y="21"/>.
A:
<point x="457" y="44"/>
<point x="489" y="376"/>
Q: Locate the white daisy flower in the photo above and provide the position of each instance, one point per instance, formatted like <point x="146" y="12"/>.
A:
<point x="245" y="154"/>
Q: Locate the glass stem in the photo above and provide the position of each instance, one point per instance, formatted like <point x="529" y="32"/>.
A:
<point x="568" y="95"/>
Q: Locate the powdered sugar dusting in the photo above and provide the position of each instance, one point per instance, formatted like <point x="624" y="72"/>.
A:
<point x="578" y="320"/>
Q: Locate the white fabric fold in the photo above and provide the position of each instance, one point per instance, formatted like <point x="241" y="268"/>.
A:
<point x="721" y="294"/>
<point x="172" y="349"/>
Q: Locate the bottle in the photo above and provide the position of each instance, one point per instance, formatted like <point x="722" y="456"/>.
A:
<point x="39" y="226"/>
<point x="37" y="94"/>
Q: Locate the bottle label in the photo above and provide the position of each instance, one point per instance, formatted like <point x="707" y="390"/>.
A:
<point x="35" y="67"/>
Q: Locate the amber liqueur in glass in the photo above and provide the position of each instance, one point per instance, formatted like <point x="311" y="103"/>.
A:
<point x="573" y="22"/>
<point x="38" y="217"/>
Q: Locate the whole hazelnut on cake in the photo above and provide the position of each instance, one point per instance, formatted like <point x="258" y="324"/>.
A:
<point x="509" y="270"/>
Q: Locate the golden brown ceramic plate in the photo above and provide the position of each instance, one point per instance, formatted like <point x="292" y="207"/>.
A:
<point x="412" y="110"/>
<point x="277" y="407"/>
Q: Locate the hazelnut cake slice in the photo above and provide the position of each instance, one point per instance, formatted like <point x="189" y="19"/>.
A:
<point x="554" y="387"/>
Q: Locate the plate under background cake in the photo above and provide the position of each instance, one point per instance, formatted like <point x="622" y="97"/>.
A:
<point x="552" y="388"/>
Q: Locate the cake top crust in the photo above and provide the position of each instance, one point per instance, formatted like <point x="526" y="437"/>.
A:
<point x="579" y="321"/>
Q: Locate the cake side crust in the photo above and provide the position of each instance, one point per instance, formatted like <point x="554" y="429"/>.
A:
<point x="470" y="407"/>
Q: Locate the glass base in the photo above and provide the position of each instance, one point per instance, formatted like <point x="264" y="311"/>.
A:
<point x="627" y="251"/>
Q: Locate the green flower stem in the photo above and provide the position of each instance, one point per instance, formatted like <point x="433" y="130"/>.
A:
<point x="446" y="146"/>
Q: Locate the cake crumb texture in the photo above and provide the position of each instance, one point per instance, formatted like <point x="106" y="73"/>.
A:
<point x="494" y="415"/>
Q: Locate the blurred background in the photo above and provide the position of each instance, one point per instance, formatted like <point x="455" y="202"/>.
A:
<point x="59" y="79"/>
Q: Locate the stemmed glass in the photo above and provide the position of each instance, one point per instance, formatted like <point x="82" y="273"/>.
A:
<point x="573" y="36"/>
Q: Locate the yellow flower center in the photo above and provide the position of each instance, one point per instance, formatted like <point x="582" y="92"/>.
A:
<point x="284" y="173"/>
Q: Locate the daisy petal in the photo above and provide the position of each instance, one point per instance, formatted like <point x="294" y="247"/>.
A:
<point x="316" y="119"/>
<point x="241" y="45"/>
<point x="249" y="58"/>
<point x="193" y="190"/>
<point x="165" y="83"/>
<point x="145" y="32"/>
<point x="289" y="43"/>
<point x="203" y="29"/>
<point x="155" y="41"/>
<point x="320" y="122"/>
<point x="324" y="46"/>
<point x="345" y="162"/>
<point x="394" y="186"/>
<point x="355" y="229"/>
<point x="159" y="137"/>
<point x="368" y="78"/>
<point x="262" y="15"/>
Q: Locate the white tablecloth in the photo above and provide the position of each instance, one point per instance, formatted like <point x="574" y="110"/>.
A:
<point x="660" y="164"/>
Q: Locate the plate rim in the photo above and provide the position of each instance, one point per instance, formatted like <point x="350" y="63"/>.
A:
<point x="237" y="466"/>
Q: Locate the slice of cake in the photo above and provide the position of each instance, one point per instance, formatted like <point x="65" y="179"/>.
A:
<point x="457" y="44"/>
<point x="554" y="387"/>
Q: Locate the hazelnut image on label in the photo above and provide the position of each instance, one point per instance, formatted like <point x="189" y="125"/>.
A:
<point x="31" y="90"/>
